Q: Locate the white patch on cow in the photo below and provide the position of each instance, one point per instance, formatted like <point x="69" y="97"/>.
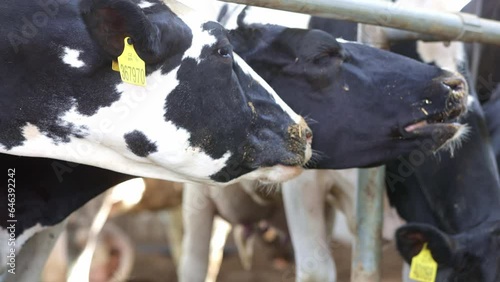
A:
<point x="4" y="249"/>
<point x="243" y="65"/>
<point x="270" y="175"/>
<point x="201" y="37"/>
<point x="145" y="4"/>
<point x="342" y="41"/>
<point x="470" y="101"/>
<point x="259" y="15"/>
<point x="71" y="57"/>
<point x="28" y="233"/>
<point x="17" y="245"/>
<point x="31" y="132"/>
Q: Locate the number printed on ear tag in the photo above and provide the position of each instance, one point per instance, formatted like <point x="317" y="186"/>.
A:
<point x="132" y="67"/>
<point x="423" y="266"/>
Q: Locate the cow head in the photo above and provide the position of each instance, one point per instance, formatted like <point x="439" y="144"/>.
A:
<point x="368" y="105"/>
<point x="203" y="115"/>
<point x="470" y="256"/>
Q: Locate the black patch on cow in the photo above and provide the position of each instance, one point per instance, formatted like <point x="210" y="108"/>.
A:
<point x="338" y="28"/>
<point x="139" y="143"/>
<point x="205" y="92"/>
<point x="47" y="191"/>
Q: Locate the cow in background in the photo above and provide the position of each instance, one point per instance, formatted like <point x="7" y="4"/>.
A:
<point x="492" y="114"/>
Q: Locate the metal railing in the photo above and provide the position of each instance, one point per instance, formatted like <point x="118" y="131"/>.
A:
<point x="443" y="26"/>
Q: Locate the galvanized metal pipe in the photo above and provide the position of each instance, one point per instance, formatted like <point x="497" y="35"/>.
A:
<point x="367" y="247"/>
<point x="448" y="26"/>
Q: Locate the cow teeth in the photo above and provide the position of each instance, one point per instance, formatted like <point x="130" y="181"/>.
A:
<point x="414" y="126"/>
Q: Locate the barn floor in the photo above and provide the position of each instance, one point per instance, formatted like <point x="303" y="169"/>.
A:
<point x="152" y="268"/>
<point x="152" y="262"/>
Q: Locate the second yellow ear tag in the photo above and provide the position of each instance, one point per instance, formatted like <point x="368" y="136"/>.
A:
<point x="423" y="266"/>
<point x="132" y="67"/>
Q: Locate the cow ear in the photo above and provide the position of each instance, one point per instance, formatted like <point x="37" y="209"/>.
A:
<point x="110" y="21"/>
<point x="410" y="240"/>
<point x="244" y="41"/>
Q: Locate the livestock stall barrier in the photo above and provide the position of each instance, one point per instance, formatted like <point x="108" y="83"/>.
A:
<point x="441" y="26"/>
<point x="400" y="23"/>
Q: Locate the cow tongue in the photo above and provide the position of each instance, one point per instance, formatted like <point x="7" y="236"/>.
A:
<point x="414" y="126"/>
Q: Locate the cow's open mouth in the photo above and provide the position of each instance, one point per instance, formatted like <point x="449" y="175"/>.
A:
<point x="438" y="120"/>
<point x="444" y="121"/>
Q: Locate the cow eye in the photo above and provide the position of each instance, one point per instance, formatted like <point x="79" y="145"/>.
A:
<point x="224" y="52"/>
<point x="329" y="53"/>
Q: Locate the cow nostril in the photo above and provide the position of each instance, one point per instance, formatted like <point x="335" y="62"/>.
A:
<point x="456" y="85"/>
<point x="309" y="135"/>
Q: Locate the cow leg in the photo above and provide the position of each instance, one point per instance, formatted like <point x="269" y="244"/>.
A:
<point x="305" y="208"/>
<point x="33" y="255"/>
<point x="221" y="229"/>
<point x="198" y="215"/>
<point x="172" y="218"/>
<point x="56" y="268"/>
<point x="122" y="242"/>
<point x="245" y="244"/>
<point x="80" y="271"/>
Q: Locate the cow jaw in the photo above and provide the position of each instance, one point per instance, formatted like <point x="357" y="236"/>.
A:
<point x="275" y="174"/>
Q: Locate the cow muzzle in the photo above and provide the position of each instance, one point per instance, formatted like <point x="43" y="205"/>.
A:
<point x="443" y="124"/>
<point x="299" y="143"/>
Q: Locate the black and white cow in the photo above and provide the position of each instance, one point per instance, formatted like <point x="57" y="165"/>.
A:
<point x="203" y="115"/>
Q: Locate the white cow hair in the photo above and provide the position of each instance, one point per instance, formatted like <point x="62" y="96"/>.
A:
<point x="71" y="57"/>
<point x="258" y="15"/>
<point x="145" y="4"/>
<point x="19" y="242"/>
<point x="254" y="15"/>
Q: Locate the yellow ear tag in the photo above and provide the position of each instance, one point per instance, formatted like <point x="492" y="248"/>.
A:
<point x="423" y="266"/>
<point x="132" y="67"/>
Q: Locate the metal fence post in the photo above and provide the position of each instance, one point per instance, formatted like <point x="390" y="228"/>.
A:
<point x="367" y="249"/>
<point x="367" y="242"/>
